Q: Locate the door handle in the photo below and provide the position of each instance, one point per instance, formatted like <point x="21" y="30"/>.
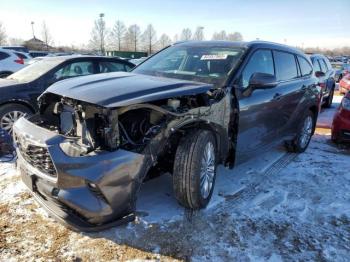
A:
<point x="277" y="96"/>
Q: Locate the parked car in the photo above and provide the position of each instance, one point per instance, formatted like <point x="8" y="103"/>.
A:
<point x="341" y="121"/>
<point x="35" y="54"/>
<point x="185" y="110"/>
<point x="19" y="91"/>
<point x="341" y="69"/>
<point x="10" y="62"/>
<point x="326" y="75"/>
<point x="16" y="48"/>
<point x="25" y="56"/>
<point x="344" y="84"/>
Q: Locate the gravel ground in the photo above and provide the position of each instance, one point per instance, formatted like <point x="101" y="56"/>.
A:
<point x="277" y="207"/>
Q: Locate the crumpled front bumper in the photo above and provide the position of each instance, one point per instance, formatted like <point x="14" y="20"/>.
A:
<point x="89" y="192"/>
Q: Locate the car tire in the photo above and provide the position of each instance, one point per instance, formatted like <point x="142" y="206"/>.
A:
<point x="12" y="112"/>
<point x="339" y="78"/>
<point x="329" y="99"/>
<point x="5" y="74"/>
<point x="304" y="134"/>
<point x="194" y="170"/>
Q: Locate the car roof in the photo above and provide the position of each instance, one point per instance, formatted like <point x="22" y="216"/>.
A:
<point x="8" y="51"/>
<point x="71" y="57"/>
<point x="241" y="44"/>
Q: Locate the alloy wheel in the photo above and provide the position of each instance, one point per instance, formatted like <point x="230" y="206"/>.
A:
<point x="207" y="170"/>
<point x="9" y="119"/>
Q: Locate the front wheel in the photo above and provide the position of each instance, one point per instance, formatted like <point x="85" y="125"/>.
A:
<point x="304" y="134"/>
<point x="10" y="113"/>
<point x="195" y="169"/>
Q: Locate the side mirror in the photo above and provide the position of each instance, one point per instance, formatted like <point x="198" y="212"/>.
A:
<point x="262" y="81"/>
<point x="319" y="74"/>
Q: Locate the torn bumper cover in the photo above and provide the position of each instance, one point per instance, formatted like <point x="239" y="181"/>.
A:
<point x="89" y="192"/>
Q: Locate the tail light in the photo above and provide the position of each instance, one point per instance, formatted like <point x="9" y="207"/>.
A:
<point x="19" y="61"/>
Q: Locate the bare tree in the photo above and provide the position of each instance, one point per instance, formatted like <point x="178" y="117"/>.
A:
<point x="186" y="34"/>
<point x="46" y="35"/>
<point x="164" y="41"/>
<point x="98" y="34"/>
<point x="198" y="34"/>
<point x="220" y="36"/>
<point x="2" y="34"/>
<point x="236" y="36"/>
<point x="176" y="38"/>
<point x="133" y="36"/>
<point x="118" y="33"/>
<point x="15" y="41"/>
<point x="149" y="38"/>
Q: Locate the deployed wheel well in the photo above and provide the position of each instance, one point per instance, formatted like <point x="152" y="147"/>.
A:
<point x="6" y="72"/>
<point x="166" y="160"/>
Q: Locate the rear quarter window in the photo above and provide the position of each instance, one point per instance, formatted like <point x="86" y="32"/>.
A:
<point x="305" y="67"/>
<point x="3" y="55"/>
<point x="286" y="67"/>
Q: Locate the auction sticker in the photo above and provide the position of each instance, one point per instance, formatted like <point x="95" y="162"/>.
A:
<point x="214" y="57"/>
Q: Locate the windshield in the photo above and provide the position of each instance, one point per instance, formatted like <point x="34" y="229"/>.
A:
<point x="34" y="71"/>
<point x="197" y="63"/>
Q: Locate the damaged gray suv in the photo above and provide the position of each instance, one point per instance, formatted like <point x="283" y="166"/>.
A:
<point x="185" y="110"/>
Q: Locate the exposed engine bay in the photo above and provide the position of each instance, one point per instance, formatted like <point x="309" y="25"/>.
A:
<point x="95" y="128"/>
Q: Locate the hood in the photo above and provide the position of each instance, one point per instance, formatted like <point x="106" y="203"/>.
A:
<point x="121" y="88"/>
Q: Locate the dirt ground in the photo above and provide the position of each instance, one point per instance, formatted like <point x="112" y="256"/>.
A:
<point x="288" y="207"/>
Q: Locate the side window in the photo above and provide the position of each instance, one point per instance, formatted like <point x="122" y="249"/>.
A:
<point x="75" y="69"/>
<point x="260" y="62"/>
<point x="286" y="67"/>
<point x="21" y="55"/>
<point x="324" y="68"/>
<point x="3" y="55"/>
<point x="316" y="65"/>
<point x="305" y="67"/>
<point x="106" y="67"/>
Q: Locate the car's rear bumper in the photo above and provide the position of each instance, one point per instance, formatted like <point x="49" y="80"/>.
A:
<point x="87" y="192"/>
<point x="344" y="87"/>
<point x="341" y="128"/>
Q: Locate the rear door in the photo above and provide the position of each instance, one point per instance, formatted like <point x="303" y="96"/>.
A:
<point x="291" y="88"/>
<point x="259" y="118"/>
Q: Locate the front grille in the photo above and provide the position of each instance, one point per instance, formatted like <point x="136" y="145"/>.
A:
<point x="39" y="158"/>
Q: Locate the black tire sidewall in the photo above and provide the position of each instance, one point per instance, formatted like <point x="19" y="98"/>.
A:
<point x="187" y="169"/>
<point x="201" y="147"/>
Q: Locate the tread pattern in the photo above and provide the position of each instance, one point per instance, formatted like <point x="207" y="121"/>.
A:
<point x="186" y="168"/>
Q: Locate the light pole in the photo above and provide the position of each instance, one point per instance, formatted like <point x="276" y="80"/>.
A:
<point x="102" y="44"/>
<point x="32" y="23"/>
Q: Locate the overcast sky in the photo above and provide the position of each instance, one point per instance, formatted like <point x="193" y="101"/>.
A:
<point x="295" y="22"/>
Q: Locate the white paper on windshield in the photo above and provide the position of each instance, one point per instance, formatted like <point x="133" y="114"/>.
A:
<point x="214" y="57"/>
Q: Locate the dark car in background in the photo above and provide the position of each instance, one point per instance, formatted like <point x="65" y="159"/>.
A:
<point x="341" y="69"/>
<point x="184" y="110"/>
<point x="19" y="91"/>
<point x="326" y="75"/>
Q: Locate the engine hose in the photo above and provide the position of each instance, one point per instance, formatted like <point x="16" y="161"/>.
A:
<point x="127" y="136"/>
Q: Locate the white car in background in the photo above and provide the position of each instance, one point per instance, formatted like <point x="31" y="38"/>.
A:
<point x="10" y="62"/>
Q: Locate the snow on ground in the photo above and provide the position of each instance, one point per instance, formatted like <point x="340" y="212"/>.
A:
<point x="276" y="207"/>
